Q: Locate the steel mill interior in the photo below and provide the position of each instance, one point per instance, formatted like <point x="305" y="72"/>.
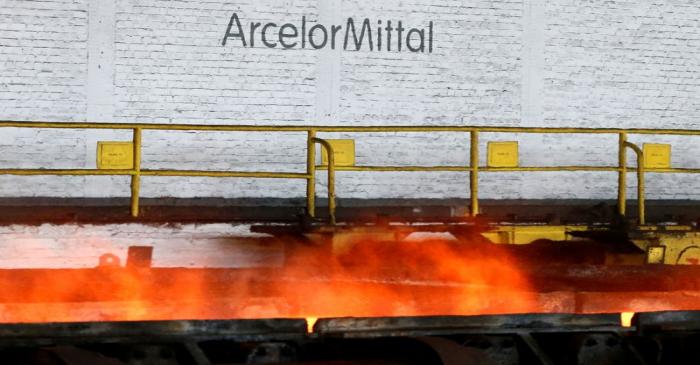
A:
<point x="349" y="182"/>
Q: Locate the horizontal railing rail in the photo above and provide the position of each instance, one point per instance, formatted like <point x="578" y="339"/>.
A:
<point x="309" y="175"/>
<point x="304" y="128"/>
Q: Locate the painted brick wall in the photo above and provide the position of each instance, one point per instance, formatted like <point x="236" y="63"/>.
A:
<point x="473" y="76"/>
<point x="42" y="60"/>
<point x="170" y="65"/>
<point x="43" y="53"/>
<point x="627" y="64"/>
<point x="72" y="246"/>
<point x="499" y="62"/>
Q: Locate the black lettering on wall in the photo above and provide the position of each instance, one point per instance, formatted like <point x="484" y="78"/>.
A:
<point x="388" y="29"/>
<point x="253" y="27"/>
<point x="234" y="17"/>
<point x="430" y="38"/>
<point x="334" y="32"/>
<point x="284" y="35"/>
<point x="421" y="38"/>
<point x="324" y="32"/>
<point x="303" y="32"/>
<point x="366" y="29"/>
<point x="386" y="37"/>
<point x="264" y="35"/>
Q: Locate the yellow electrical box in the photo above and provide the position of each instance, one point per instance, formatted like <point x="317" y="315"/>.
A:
<point x="343" y="151"/>
<point x="503" y="154"/>
<point x="657" y="156"/>
<point x="115" y="155"/>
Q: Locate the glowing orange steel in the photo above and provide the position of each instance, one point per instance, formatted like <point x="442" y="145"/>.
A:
<point x="431" y="277"/>
<point x="310" y="322"/>
<point x="626" y="319"/>
<point x="404" y="279"/>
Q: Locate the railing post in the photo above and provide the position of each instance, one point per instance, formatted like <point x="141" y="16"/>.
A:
<point x="622" y="175"/>
<point x="640" y="182"/>
<point x="311" y="172"/>
<point x="474" y="173"/>
<point x="641" y="191"/>
<point x="331" y="178"/>
<point x="136" y="177"/>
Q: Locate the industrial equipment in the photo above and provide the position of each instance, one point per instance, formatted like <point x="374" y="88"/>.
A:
<point x="607" y="286"/>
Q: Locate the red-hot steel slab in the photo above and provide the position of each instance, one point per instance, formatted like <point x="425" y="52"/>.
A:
<point x="117" y="294"/>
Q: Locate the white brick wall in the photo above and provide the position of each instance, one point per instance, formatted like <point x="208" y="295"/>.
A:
<point x="171" y="66"/>
<point x="73" y="246"/>
<point x="473" y="76"/>
<point x="628" y="64"/>
<point x="599" y="64"/>
<point x="631" y="64"/>
<point x="42" y="59"/>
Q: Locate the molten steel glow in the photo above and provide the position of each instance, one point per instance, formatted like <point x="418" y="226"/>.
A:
<point x="310" y="322"/>
<point x="434" y="277"/>
<point x="626" y="319"/>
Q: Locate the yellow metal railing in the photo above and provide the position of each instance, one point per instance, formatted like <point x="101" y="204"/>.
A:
<point x="312" y="140"/>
